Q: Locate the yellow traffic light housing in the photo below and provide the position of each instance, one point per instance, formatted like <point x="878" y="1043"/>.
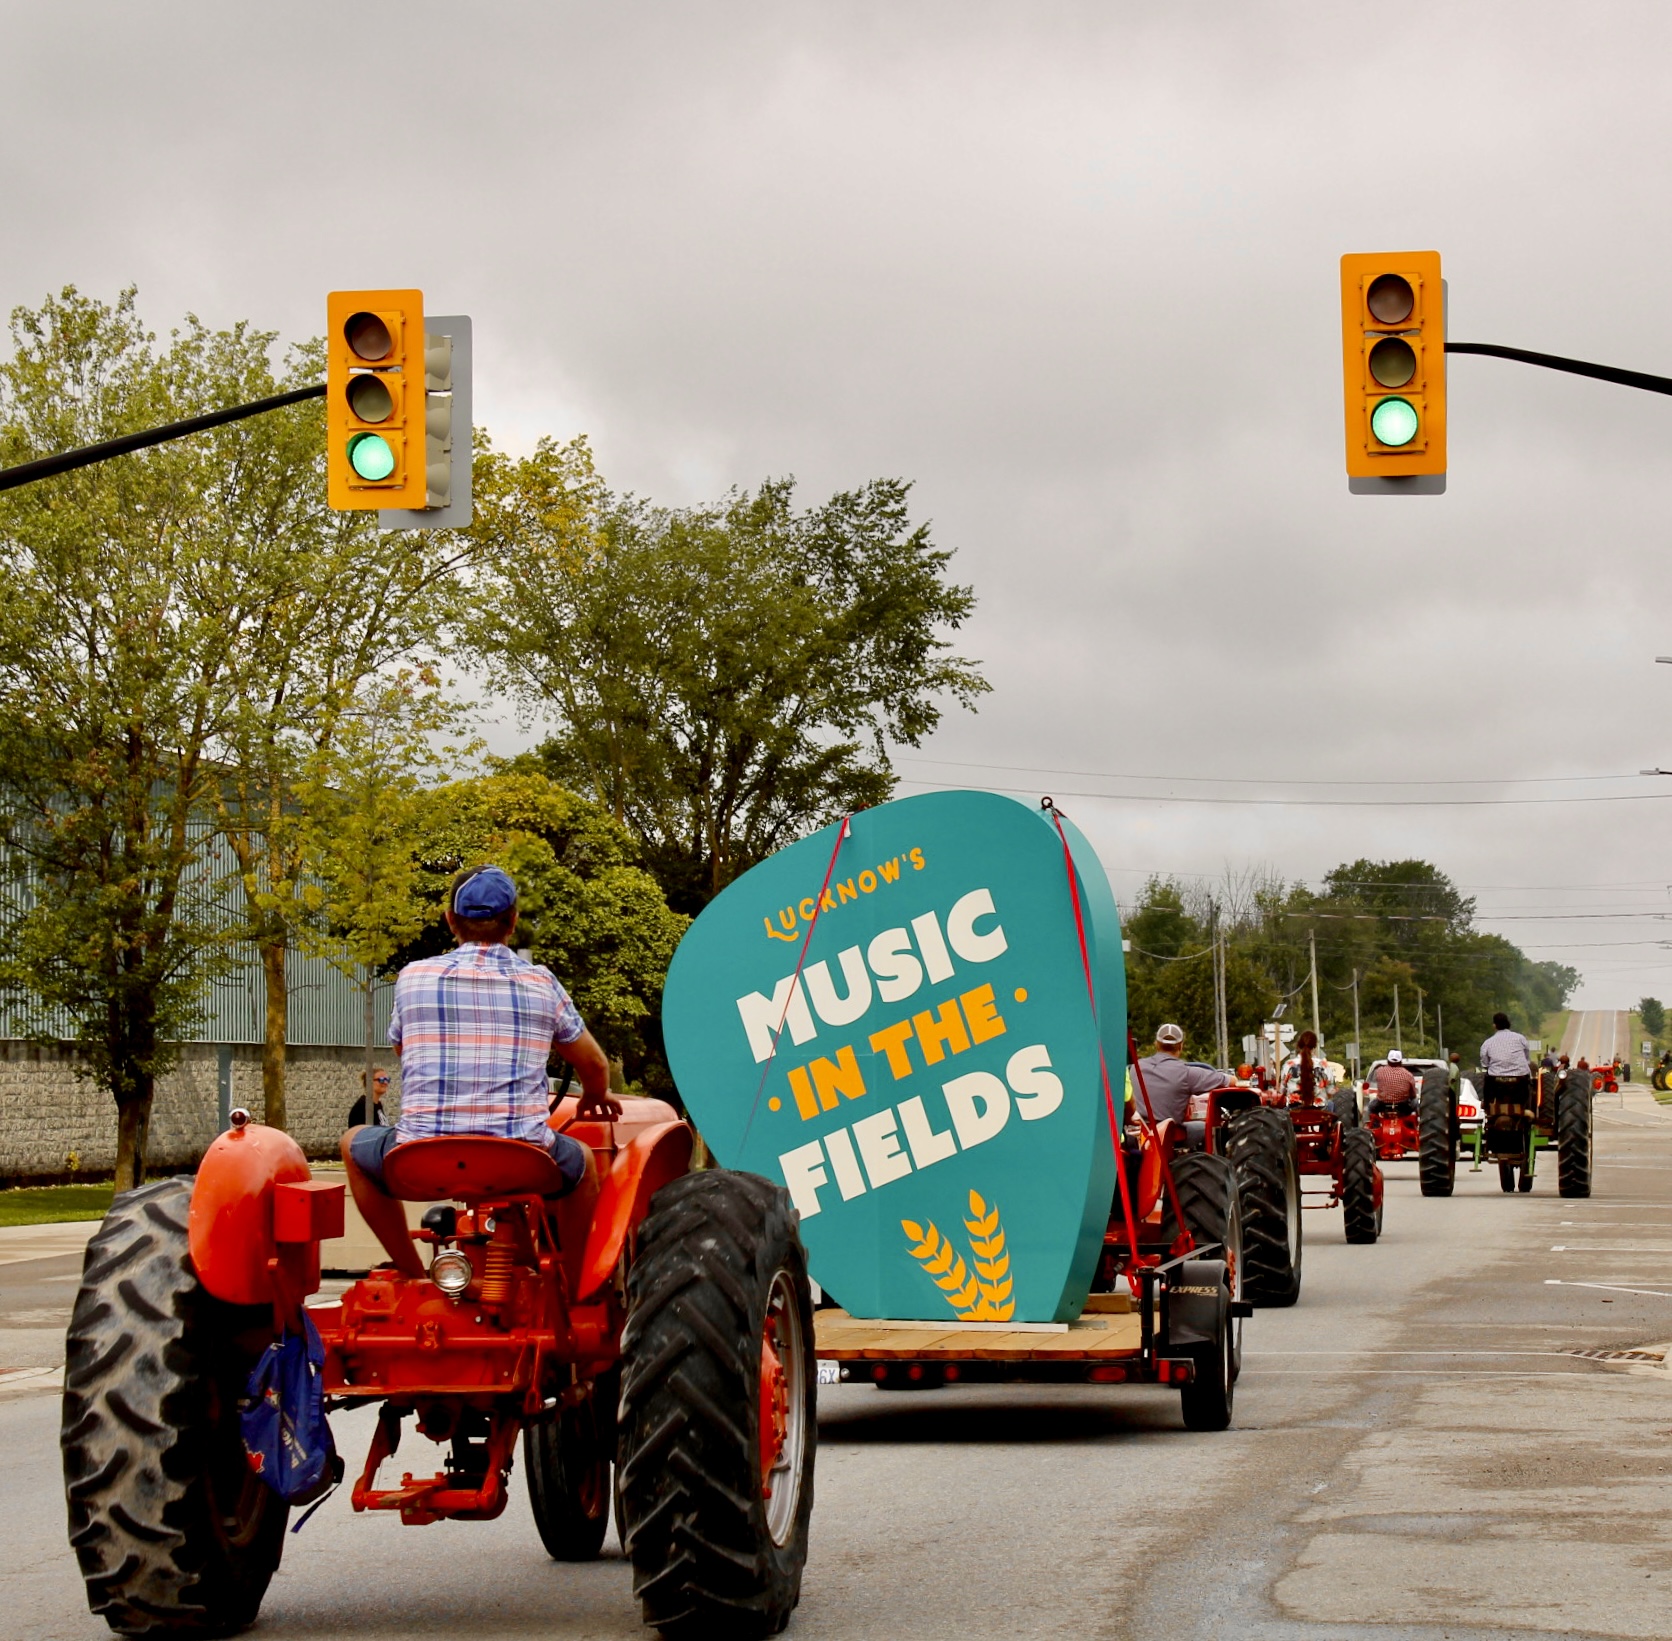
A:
<point x="375" y="400"/>
<point x="1393" y="354"/>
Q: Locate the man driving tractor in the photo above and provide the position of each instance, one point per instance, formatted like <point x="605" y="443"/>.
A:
<point x="1169" y="1079"/>
<point x="1506" y="1092"/>
<point x="1396" y="1088"/>
<point x="474" y="1030"/>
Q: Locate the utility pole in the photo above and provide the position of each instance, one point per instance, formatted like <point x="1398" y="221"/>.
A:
<point x="1221" y="997"/>
<point x="1420" y="1038"/>
<point x="1312" y="947"/>
<point x="1358" y="1045"/>
<point x="1440" y="1029"/>
<point x="1398" y="1032"/>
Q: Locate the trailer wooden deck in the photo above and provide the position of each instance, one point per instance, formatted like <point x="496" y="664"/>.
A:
<point x="1113" y="1329"/>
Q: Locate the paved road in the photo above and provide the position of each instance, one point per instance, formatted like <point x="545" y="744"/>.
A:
<point x="1597" y="1035"/>
<point x="1418" y="1453"/>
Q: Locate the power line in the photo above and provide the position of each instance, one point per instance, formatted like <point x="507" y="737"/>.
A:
<point x="1310" y="803"/>
<point x="1255" y="780"/>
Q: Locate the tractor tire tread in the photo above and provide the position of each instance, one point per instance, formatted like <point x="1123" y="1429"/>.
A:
<point x="1260" y="1147"/>
<point x="1575" y="1136"/>
<point x="1358" y="1185"/>
<point x="1436" y="1153"/>
<point x="688" y="1480"/>
<point x="139" y="1373"/>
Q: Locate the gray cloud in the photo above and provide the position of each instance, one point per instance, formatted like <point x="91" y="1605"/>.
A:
<point x="1071" y="268"/>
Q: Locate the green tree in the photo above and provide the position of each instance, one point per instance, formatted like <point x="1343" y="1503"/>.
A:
<point x="364" y="810"/>
<point x="132" y="589"/>
<point x="588" y="910"/>
<point x="356" y="623"/>
<point x="1653" y="1012"/>
<point x="725" y="678"/>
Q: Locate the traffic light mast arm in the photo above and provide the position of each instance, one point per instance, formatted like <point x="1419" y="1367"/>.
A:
<point x="1574" y="367"/>
<point x="66" y="461"/>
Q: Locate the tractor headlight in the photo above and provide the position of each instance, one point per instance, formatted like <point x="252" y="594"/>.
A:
<point x="451" y="1271"/>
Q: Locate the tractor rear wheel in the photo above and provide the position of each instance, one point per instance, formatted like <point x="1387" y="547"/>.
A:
<point x="1506" y="1176"/>
<point x="1358" y="1186"/>
<point x="1206" y="1402"/>
<point x="1207" y="1189"/>
<point x="567" y="1458"/>
<point x="718" y="1408"/>
<point x="1575" y="1137"/>
<point x="175" y="1534"/>
<point x="1260" y="1147"/>
<point x="1436" y="1152"/>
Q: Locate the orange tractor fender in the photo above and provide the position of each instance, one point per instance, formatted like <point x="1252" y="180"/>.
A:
<point x="649" y="1160"/>
<point x="257" y="1218"/>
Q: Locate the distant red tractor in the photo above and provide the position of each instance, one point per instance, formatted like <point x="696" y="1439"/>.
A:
<point x="659" y="1321"/>
<point x="1427" y="1127"/>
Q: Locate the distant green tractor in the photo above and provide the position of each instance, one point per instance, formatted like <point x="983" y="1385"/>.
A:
<point x="1512" y="1136"/>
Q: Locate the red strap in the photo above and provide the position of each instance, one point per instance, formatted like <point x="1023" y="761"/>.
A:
<point x="1103" y="1065"/>
<point x="789" y="996"/>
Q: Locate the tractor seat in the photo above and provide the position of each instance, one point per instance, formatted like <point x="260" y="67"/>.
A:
<point x="469" y="1167"/>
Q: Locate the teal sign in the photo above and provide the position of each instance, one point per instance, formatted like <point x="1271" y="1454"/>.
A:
<point x="922" y="1074"/>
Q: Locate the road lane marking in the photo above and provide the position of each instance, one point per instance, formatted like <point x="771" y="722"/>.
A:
<point x="1608" y="1287"/>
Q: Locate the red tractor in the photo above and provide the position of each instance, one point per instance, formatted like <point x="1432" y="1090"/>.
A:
<point x="1427" y="1127"/>
<point x="1329" y="1141"/>
<point x="656" y="1319"/>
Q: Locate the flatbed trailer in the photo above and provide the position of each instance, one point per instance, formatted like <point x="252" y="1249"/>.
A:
<point x="1116" y="1340"/>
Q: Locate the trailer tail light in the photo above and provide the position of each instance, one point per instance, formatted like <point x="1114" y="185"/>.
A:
<point x="952" y="1373"/>
<point x="1107" y="1375"/>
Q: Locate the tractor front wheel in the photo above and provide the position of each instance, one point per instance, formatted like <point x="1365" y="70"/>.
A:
<point x="1575" y="1137"/>
<point x="176" y="1536"/>
<point x="567" y="1458"/>
<point x="1359" y="1208"/>
<point x="717" y="1408"/>
<point x="1436" y="1150"/>
<point x="1261" y="1149"/>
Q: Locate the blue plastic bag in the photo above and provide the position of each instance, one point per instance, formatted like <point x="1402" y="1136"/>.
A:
<point x="282" y="1416"/>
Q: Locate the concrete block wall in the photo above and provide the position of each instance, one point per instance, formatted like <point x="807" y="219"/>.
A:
<point x="55" y="1124"/>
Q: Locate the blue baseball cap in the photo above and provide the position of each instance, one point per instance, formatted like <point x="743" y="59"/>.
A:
<point x="488" y="893"/>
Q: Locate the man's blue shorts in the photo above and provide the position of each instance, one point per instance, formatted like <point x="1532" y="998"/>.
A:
<point x="371" y="1145"/>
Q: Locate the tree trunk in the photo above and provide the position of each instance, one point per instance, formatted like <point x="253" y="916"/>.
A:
<point x="133" y="1131"/>
<point x="274" y="1029"/>
<point x="371" y="1038"/>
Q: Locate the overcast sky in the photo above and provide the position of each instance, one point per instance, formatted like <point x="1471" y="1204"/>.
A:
<point x="1071" y="269"/>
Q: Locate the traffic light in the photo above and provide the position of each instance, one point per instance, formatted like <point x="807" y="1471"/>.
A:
<point x="375" y="400"/>
<point x="1393" y="355"/>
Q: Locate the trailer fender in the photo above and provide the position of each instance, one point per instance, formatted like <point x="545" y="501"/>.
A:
<point x="1193" y="1302"/>
<point x="255" y="1201"/>
<point x="641" y="1168"/>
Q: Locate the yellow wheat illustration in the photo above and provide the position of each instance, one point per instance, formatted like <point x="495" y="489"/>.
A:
<point x="984" y="1296"/>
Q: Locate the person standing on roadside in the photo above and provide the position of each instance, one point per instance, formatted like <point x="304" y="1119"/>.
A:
<point x="379" y="1118"/>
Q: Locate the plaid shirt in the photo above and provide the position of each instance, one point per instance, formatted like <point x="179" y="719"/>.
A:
<point x="474" y="1030"/>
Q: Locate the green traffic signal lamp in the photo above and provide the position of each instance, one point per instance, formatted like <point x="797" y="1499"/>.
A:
<point x="371" y="457"/>
<point x="1394" y="422"/>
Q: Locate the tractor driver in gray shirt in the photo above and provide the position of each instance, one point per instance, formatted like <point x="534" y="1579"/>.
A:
<point x="1169" y="1079"/>
<point x="1505" y="1053"/>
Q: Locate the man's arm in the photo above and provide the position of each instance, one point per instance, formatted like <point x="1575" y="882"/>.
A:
<point x="593" y="1068"/>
